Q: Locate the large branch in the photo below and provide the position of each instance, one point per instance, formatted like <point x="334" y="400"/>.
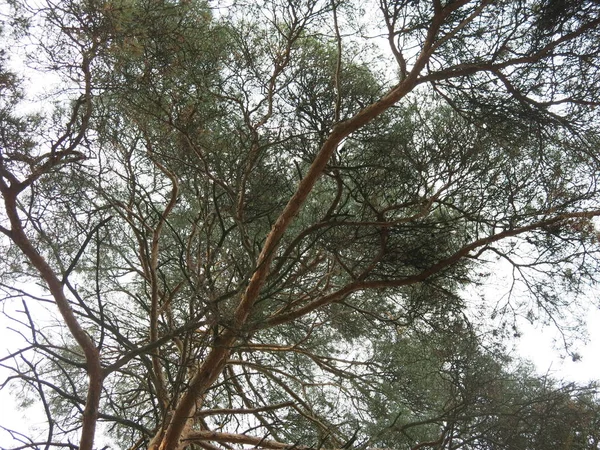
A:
<point x="55" y="285"/>
<point x="242" y="439"/>
<point x="198" y="437"/>
<point x="470" y="68"/>
<point x="464" y="252"/>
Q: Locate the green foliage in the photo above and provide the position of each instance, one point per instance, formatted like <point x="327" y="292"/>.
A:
<point x="154" y="193"/>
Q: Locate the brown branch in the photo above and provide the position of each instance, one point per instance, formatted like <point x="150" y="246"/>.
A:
<point x="390" y="24"/>
<point x="465" y="69"/>
<point x="422" y="276"/>
<point x="242" y="393"/>
<point x="214" y="412"/>
<point x="337" y="82"/>
<point x="462" y="24"/>
<point x="155" y="308"/>
<point x="232" y="438"/>
<point x="243" y="439"/>
<point x="55" y="285"/>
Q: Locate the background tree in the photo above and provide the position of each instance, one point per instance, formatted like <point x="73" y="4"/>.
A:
<point x="256" y="233"/>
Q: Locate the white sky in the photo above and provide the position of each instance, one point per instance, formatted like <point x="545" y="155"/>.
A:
<point x="543" y="348"/>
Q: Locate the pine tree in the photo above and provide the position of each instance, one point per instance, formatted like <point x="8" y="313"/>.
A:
<point x="253" y="226"/>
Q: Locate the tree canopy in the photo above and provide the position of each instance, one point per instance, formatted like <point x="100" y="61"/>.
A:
<point x="263" y="223"/>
